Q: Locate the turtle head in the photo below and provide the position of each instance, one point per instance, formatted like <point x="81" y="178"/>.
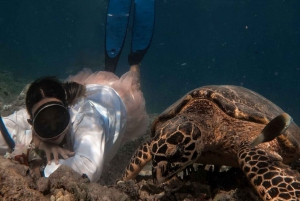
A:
<point x="165" y="167"/>
<point x="174" y="147"/>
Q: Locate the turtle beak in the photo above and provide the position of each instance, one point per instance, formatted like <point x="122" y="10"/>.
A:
<point x="160" y="172"/>
<point x="164" y="171"/>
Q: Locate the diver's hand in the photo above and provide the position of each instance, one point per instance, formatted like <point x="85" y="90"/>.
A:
<point x="50" y="148"/>
<point x="55" y="150"/>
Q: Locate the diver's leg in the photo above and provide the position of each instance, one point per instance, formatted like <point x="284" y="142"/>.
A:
<point x="116" y="27"/>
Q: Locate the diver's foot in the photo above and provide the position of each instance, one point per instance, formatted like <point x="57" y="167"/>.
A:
<point x="135" y="68"/>
<point x="135" y="71"/>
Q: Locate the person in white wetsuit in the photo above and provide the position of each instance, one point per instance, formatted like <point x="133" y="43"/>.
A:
<point x="84" y="119"/>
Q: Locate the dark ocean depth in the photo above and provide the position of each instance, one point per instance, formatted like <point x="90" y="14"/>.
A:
<point x="255" y="44"/>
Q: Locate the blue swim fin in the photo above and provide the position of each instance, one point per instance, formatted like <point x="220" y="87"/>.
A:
<point x="116" y="26"/>
<point x="143" y="26"/>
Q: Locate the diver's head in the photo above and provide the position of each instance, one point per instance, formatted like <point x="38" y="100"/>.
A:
<point x="46" y="104"/>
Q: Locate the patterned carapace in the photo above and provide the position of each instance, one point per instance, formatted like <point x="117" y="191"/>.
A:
<point x="215" y="125"/>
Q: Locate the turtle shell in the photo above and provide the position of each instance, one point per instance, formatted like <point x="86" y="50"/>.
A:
<point x="235" y="101"/>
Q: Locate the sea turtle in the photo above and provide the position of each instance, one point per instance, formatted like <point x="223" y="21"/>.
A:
<point x="215" y="125"/>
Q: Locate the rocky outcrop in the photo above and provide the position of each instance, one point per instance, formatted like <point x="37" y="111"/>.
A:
<point x="19" y="182"/>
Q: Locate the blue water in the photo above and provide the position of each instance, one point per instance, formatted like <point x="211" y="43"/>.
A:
<point x="255" y="44"/>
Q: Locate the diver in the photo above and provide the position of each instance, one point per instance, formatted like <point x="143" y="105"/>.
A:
<point x="84" y="119"/>
<point x="87" y="117"/>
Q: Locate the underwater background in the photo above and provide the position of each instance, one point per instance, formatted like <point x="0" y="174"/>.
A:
<point x="255" y="44"/>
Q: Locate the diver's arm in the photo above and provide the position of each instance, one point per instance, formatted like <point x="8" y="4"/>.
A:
<point x="19" y="130"/>
<point x="89" y="154"/>
<point x="89" y="148"/>
<point x="51" y="150"/>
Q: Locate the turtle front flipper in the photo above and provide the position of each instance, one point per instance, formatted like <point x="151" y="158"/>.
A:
<point x="272" y="179"/>
<point x="139" y="159"/>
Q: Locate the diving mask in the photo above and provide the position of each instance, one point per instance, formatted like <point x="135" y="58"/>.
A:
<point x="50" y="120"/>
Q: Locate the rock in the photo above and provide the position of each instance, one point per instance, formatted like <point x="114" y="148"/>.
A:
<point x="43" y="185"/>
<point x="80" y="187"/>
<point x="16" y="182"/>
